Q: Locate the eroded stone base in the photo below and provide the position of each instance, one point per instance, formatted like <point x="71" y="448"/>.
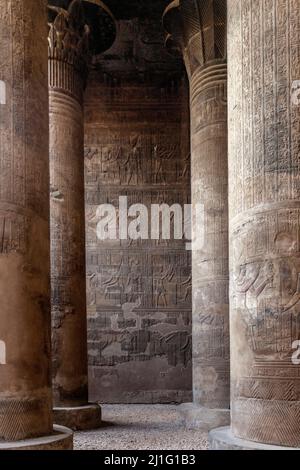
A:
<point x="61" y="439"/>
<point x="203" y="419"/>
<point x="79" y="418"/>
<point x="223" y="439"/>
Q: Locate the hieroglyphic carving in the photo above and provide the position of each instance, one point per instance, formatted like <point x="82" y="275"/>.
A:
<point x="264" y="222"/>
<point x="197" y="29"/>
<point x="139" y="290"/>
<point x="25" y="357"/>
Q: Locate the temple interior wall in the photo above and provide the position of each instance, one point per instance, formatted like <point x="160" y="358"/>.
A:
<point x="139" y="292"/>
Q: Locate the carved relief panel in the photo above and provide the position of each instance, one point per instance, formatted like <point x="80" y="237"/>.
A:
<point x="139" y="291"/>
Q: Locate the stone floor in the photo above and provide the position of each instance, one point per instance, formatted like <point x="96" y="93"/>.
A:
<point x="141" y="427"/>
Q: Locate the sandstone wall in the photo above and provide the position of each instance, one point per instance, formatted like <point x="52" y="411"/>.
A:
<point x="139" y="292"/>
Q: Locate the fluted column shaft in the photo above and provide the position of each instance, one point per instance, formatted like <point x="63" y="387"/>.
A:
<point x="264" y="195"/>
<point x="25" y="357"/>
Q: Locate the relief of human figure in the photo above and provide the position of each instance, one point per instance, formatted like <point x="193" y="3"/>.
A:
<point x="92" y="285"/>
<point x="91" y="165"/>
<point x="91" y="220"/>
<point x="177" y="345"/>
<point x="164" y="241"/>
<point x="133" y="281"/>
<point x="136" y="145"/>
<point x="114" y="280"/>
<point x="130" y="167"/>
<point x="295" y="299"/>
<point x="111" y="163"/>
<point x="118" y="164"/>
<point x="160" y="292"/>
<point x="188" y="289"/>
<point x="133" y="163"/>
<point x="161" y="154"/>
<point x="186" y="167"/>
<point x="250" y="282"/>
<point x="159" y="176"/>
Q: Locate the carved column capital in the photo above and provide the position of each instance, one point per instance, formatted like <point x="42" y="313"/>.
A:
<point x="68" y="35"/>
<point x="68" y="48"/>
<point x="75" y="33"/>
<point x="197" y="29"/>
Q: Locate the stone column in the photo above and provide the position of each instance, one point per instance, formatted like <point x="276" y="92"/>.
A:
<point x="68" y="55"/>
<point x="264" y="177"/>
<point x="25" y="352"/>
<point x="198" y="29"/>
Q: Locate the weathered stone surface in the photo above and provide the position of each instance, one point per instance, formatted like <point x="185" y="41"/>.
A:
<point x="79" y="418"/>
<point x="60" y="439"/>
<point x="25" y="383"/>
<point x="199" y="29"/>
<point x="203" y="418"/>
<point x="210" y="263"/>
<point x="139" y="292"/>
<point x="264" y="195"/>
<point x="68" y="38"/>
<point x="223" y="439"/>
<point x="68" y="63"/>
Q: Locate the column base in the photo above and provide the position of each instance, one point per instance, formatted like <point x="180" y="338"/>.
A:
<point x="81" y="418"/>
<point x="61" y="439"/>
<point x="203" y="419"/>
<point x="223" y="439"/>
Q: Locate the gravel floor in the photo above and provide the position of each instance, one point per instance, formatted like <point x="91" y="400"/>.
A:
<point x="141" y="427"/>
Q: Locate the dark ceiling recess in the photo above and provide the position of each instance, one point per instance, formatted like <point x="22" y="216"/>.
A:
<point x="100" y="20"/>
<point x="128" y="9"/>
<point x="125" y="9"/>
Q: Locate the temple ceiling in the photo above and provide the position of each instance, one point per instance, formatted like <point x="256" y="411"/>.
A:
<point x="137" y="39"/>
